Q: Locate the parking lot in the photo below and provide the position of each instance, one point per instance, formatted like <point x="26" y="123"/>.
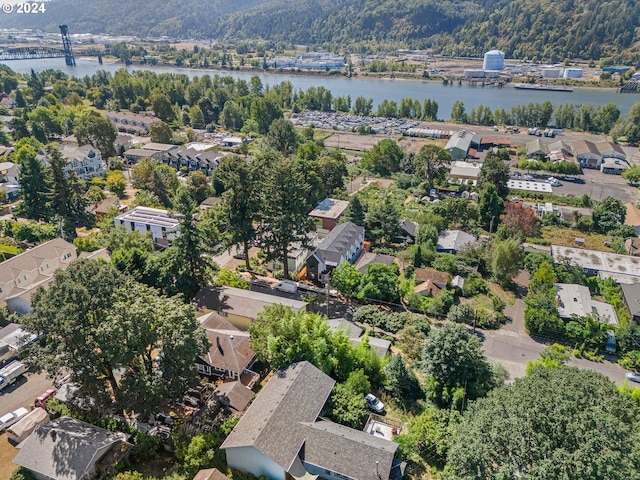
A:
<point x="594" y="183"/>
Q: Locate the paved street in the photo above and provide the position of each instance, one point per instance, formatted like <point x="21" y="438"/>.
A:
<point x="23" y="392"/>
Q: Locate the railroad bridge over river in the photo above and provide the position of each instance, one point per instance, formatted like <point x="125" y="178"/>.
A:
<point x="35" y="52"/>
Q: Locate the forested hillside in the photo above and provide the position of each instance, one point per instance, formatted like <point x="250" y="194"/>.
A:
<point x="546" y="30"/>
<point x="328" y="23"/>
<point x="551" y="30"/>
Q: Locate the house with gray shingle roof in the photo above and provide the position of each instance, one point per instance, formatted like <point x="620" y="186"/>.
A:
<point x="69" y="449"/>
<point x="343" y="244"/>
<point x="281" y="436"/>
<point x="450" y="241"/>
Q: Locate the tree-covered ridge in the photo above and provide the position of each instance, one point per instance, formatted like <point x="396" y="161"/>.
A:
<point x="151" y="18"/>
<point x="309" y="22"/>
<point x="549" y="30"/>
<point x="349" y="22"/>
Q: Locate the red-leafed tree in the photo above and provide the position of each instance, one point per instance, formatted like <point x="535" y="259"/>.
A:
<point x="518" y="218"/>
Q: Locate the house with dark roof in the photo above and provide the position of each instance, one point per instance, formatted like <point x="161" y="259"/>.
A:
<point x="409" y="231"/>
<point x="343" y="244"/>
<point x="240" y="307"/>
<point x="370" y="258"/>
<point x="193" y="160"/>
<point x="450" y="241"/>
<point x="631" y="297"/>
<point x="281" y="435"/>
<point x="381" y="346"/>
<point x="328" y="212"/>
<point x="69" y="449"/>
<point x="230" y="354"/>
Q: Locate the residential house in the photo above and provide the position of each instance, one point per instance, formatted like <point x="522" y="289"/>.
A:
<point x="343" y="244"/>
<point x="296" y="255"/>
<point x="85" y="161"/>
<point x="450" y="241"/>
<point x="193" y="159"/>
<point x="230" y="355"/>
<point x="537" y="149"/>
<point x="459" y="144"/>
<point x="10" y="173"/>
<point x="281" y="436"/>
<point x="575" y="301"/>
<point x="381" y="346"/>
<point x="210" y="474"/>
<point x="231" y="142"/>
<point x="328" y="212"/>
<point x="233" y="395"/>
<point x="131" y="122"/>
<point x="6" y="151"/>
<point x="632" y="217"/>
<point x="430" y="282"/>
<point x="369" y="258"/>
<point x="631" y="297"/>
<point x="587" y="154"/>
<point x="101" y="209"/>
<point x="409" y="231"/>
<point x="70" y="449"/>
<point x="136" y="155"/>
<point x="632" y="246"/>
<point x="7" y="102"/>
<point x="21" y="275"/>
<point x="240" y="307"/>
<point x="153" y="221"/>
<point x="210" y="202"/>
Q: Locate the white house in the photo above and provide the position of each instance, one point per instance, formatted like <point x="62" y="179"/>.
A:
<point x="86" y="162"/>
<point x="21" y="275"/>
<point x="575" y="300"/>
<point x="10" y="173"/>
<point x="281" y="437"/>
<point x="154" y="221"/>
<point x="296" y="256"/>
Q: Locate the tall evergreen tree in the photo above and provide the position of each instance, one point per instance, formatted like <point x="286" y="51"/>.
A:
<point x="284" y="210"/>
<point x="240" y="203"/>
<point x="67" y="199"/>
<point x="185" y="268"/>
<point x="34" y="188"/>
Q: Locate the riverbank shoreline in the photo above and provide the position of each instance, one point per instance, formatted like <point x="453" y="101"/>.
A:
<point x="324" y="75"/>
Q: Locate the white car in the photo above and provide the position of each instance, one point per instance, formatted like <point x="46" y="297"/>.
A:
<point x="529" y="178"/>
<point x="10" y="418"/>
<point x="633" y="376"/>
<point x="374" y="403"/>
<point x="553" y="181"/>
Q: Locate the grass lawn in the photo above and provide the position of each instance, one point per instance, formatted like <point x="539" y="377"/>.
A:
<point x="9" y="249"/>
<point x="566" y="237"/>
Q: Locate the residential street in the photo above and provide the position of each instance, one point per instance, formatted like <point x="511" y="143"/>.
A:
<point x="514" y="348"/>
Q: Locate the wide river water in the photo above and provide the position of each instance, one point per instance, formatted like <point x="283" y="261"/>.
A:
<point x="377" y="89"/>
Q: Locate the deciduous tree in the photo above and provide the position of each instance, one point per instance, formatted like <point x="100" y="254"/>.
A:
<point x="555" y="423"/>
<point x="93" y="128"/>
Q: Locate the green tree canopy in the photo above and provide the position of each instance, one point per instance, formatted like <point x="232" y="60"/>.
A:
<point x="554" y="423"/>
<point x="94" y="322"/>
<point x="93" y="128"/>
<point x="384" y="158"/>
<point x="452" y="358"/>
<point x="432" y="162"/>
<point x="494" y="171"/>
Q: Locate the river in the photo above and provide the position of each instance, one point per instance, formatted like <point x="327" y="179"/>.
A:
<point x="377" y="89"/>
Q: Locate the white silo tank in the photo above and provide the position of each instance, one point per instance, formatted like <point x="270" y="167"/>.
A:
<point x="572" y="73"/>
<point x="493" y="60"/>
